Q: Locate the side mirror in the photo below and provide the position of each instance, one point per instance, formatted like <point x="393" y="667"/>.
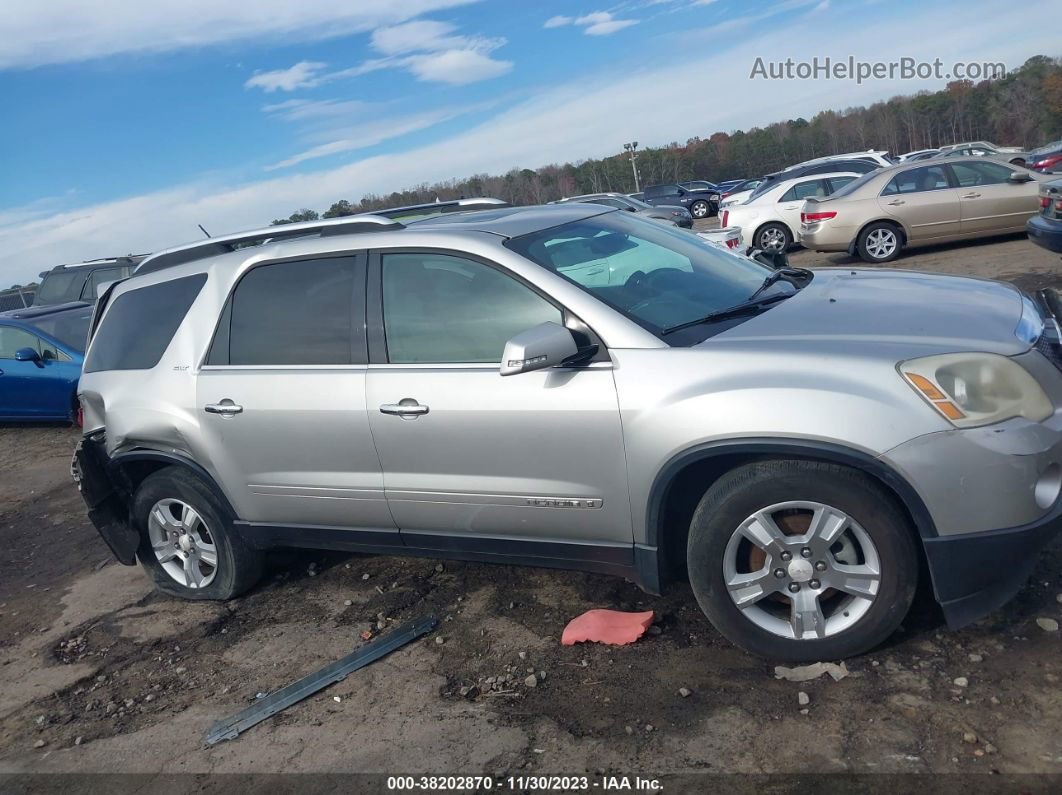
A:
<point x="546" y="345"/>
<point x="1020" y="177"/>
<point x="28" y="355"/>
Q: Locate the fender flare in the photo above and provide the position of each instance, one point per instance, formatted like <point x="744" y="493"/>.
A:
<point x="783" y="447"/>
<point x="170" y="459"/>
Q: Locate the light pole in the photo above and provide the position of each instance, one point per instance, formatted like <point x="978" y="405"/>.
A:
<point x="632" y="150"/>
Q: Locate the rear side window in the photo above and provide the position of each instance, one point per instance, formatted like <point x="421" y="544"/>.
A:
<point x="296" y="312"/>
<point x="138" y="327"/>
<point x="806" y="190"/>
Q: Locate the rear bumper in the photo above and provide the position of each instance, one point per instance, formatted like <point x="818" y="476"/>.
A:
<point x="819" y="237"/>
<point x="107" y="510"/>
<point x="1045" y="232"/>
<point x="975" y="573"/>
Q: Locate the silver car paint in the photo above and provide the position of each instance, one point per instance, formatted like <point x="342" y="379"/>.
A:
<point x="570" y="453"/>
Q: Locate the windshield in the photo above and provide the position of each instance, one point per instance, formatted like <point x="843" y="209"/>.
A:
<point x="658" y="276"/>
<point x="59" y="287"/>
<point x="69" y="328"/>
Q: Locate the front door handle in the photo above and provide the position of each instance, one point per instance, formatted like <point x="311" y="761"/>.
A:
<point x="896" y="202"/>
<point x="972" y="196"/>
<point x="225" y="408"/>
<point x="406" y="408"/>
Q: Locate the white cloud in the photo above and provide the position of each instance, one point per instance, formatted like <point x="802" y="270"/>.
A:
<point x="33" y="33"/>
<point x="558" y="22"/>
<point x="304" y="74"/>
<point x="420" y="34"/>
<point x="456" y="67"/>
<point x="574" y="120"/>
<point x="596" y="23"/>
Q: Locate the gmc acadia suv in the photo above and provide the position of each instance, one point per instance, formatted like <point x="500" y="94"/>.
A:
<point x="573" y="386"/>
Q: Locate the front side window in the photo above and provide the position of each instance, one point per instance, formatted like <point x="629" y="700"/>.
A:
<point x="806" y="190"/>
<point x="139" y="325"/>
<point x="101" y="276"/>
<point x="918" y="180"/>
<point x="289" y="313"/>
<point x="659" y="276"/>
<point x="15" y="339"/>
<point x="970" y="174"/>
<point x="444" y="309"/>
<point x="663" y="190"/>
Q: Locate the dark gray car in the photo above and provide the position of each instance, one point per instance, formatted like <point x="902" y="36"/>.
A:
<point x="679" y="216"/>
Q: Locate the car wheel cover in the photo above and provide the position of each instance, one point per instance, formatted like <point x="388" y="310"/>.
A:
<point x="881" y="243"/>
<point x="772" y="239"/>
<point x="700" y="209"/>
<point x="182" y="543"/>
<point x="829" y="574"/>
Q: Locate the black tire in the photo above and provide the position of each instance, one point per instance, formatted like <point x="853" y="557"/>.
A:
<point x="745" y="490"/>
<point x="766" y="230"/>
<point x="867" y="255"/>
<point x="700" y="209"/>
<point x="238" y="566"/>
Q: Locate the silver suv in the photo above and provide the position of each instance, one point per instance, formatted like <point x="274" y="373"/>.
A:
<point x="576" y="387"/>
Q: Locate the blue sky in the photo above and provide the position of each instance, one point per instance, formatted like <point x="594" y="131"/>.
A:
<point x="126" y="123"/>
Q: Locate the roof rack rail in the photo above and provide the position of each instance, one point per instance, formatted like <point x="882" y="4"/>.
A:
<point x="214" y="246"/>
<point x="441" y="208"/>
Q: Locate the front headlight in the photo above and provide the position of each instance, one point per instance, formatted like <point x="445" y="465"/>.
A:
<point x="975" y="389"/>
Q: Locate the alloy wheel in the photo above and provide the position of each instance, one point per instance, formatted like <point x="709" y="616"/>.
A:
<point x="802" y="570"/>
<point x="772" y="239"/>
<point x="881" y="243"/>
<point x="182" y="543"/>
<point x="700" y="210"/>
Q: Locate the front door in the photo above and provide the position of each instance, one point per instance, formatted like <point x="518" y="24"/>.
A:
<point x="989" y="201"/>
<point x="34" y="389"/>
<point x="281" y="400"/>
<point x="524" y="464"/>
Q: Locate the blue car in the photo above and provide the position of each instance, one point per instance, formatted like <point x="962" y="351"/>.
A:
<point x="41" y="352"/>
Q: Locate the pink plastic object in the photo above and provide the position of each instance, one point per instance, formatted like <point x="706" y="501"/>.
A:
<point x="606" y="626"/>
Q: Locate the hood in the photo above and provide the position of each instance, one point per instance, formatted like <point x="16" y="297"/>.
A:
<point x="893" y="307"/>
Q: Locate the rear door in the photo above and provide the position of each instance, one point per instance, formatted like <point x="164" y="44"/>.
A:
<point x="526" y="464"/>
<point x="925" y="201"/>
<point x="282" y="400"/>
<point x="989" y="202"/>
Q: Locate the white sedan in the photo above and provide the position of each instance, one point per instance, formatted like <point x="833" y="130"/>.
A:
<point x="771" y="220"/>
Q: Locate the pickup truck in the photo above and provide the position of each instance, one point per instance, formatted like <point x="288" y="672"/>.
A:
<point x="700" y="203"/>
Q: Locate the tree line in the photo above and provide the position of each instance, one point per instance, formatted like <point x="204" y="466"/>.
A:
<point x="1022" y="109"/>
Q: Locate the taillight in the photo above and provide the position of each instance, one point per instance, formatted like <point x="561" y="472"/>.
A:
<point x="823" y="216"/>
<point x="725" y="195"/>
<point x="1058" y="205"/>
<point x="733" y="243"/>
<point x="1045" y="202"/>
<point x="726" y="215"/>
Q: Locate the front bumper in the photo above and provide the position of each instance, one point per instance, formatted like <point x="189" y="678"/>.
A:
<point x="975" y="573"/>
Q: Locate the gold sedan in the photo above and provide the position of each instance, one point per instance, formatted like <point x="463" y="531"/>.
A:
<point x="907" y="205"/>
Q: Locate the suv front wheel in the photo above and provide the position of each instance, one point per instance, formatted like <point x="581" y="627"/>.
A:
<point x="187" y="541"/>
<point x="801" y="561"/>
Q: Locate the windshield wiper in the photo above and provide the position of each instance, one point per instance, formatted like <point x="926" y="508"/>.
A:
<point x="730" y="311"/>
<point x="791" y="275"/>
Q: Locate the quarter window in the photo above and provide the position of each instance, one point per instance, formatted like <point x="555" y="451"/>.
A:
<point x="138" y="326"/>
<point x="439" y="308"/>
<point x="298" y="312"/>
<point x="918" y="180"/>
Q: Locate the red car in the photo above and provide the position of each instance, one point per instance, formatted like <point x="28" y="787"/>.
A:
<point x="1047" y="158"/>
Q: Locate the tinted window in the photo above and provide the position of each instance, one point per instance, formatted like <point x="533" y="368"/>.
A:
<point x="970" y="174"/>
<point x="289" y="313"/>
<point x="59" y="287"/>
<point x="657" y="191"/>
<point x="836" y="183"/>
<point x="70" y="328"/>
<point x="858" y="166"/>
<point x="439" y="308"/>
<point x="138" y="326"/>
<point x="13" y="339"/>
<point x="101" y="276"/>
<point x="805" y="190"/>
<point x="918" y="180"/>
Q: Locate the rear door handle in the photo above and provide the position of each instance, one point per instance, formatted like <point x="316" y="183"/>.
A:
<point x="225" y="408"/>
<point x="406" y="408"/>
<point x="972" y="196"/>
<point x="896" y="202"/>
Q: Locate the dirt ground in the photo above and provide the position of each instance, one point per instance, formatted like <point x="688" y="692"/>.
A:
<point x="100" y="674"/>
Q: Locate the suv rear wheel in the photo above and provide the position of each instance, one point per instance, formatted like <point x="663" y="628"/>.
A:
<point x="801" y="561"/>
<point x="187" y="542"/>
<point x="700" y="209"/>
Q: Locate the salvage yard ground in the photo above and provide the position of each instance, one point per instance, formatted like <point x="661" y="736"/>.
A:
<point x="99" y="673"/>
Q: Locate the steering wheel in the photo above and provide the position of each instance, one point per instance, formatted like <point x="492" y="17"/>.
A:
<point x="636" y="279"/>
